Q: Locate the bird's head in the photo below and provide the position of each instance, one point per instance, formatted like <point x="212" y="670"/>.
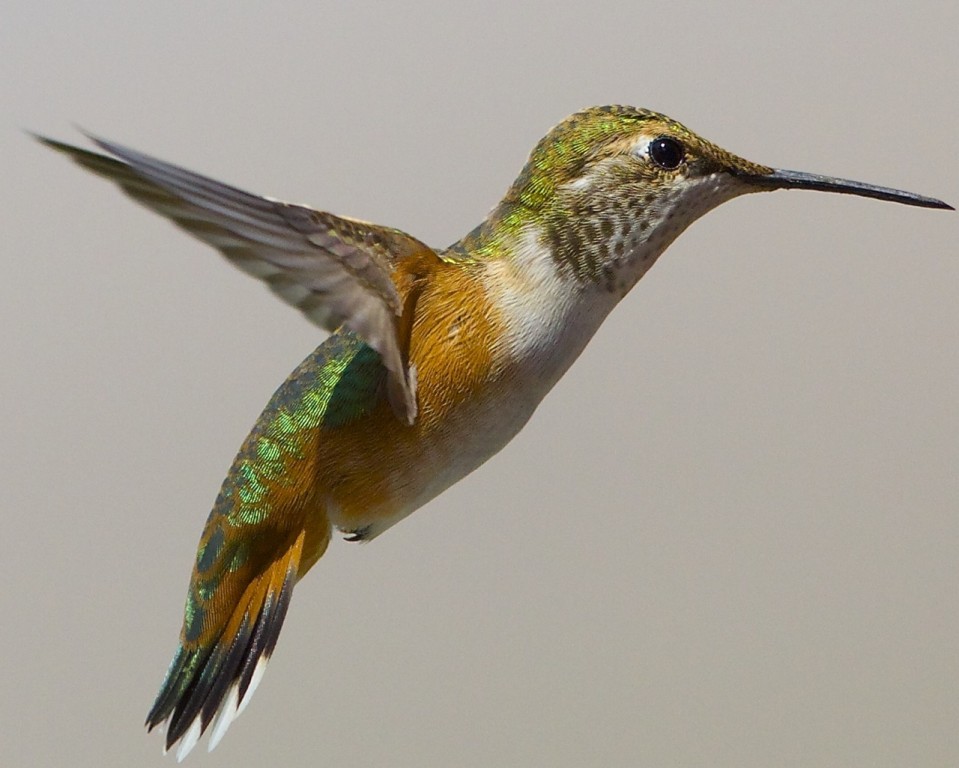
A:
<point x="609" y="188"/>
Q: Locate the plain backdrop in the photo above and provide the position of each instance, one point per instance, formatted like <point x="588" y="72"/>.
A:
<point x="729" y="537"/>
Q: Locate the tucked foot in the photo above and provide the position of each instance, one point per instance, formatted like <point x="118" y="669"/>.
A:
<point x="359" y="534"/>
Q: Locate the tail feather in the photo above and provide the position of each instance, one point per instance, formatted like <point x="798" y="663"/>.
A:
<point x="216" y="680"/>
<point x="262" y="641"/>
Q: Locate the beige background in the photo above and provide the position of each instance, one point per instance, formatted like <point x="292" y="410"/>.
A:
<point x="730" y="537"/>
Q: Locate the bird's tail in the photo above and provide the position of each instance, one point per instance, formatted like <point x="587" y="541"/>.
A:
<point x="211" y="679"/>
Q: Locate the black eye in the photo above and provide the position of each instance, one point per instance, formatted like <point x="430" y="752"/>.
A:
<point x="667" y="153"/>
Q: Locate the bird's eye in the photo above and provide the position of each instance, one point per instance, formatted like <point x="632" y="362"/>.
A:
<point x="667" y="153"/>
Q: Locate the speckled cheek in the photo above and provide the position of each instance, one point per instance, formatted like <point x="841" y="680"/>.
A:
<point x="699" y="197"/>
<point x="652" y="232"/>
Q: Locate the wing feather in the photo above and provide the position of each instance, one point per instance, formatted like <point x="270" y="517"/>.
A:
<point x="337" y="271"/>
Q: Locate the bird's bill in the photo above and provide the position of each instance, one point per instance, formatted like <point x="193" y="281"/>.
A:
<point x="780" y="179"/>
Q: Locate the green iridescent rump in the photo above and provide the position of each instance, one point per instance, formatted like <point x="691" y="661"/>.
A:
<point x="337" y="383"/>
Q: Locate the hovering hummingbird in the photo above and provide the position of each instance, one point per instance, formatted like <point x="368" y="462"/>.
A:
<point x="437" y="358"/>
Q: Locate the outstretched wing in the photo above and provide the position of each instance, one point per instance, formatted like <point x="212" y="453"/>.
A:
<point x="337" y="271"/>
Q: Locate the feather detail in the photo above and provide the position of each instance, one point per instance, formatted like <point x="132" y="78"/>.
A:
<point x="339" y="272"/>
<point x="217" y="680"/>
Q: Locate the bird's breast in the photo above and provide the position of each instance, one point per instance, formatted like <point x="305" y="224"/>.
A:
<point x="487" y="343"/>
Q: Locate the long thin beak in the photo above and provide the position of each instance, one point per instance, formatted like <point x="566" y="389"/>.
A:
<point x="780" y="179"/>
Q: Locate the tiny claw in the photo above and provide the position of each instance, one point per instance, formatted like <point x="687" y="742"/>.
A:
<point x="359" y="534"/>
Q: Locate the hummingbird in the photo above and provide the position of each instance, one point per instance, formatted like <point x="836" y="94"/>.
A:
<point x="436" y="358"/>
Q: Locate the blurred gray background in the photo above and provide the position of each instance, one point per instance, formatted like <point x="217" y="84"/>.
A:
<point x="729" y="537"/>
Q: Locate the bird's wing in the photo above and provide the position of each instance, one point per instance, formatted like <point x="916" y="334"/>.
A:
<point x="337" y="271"/>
